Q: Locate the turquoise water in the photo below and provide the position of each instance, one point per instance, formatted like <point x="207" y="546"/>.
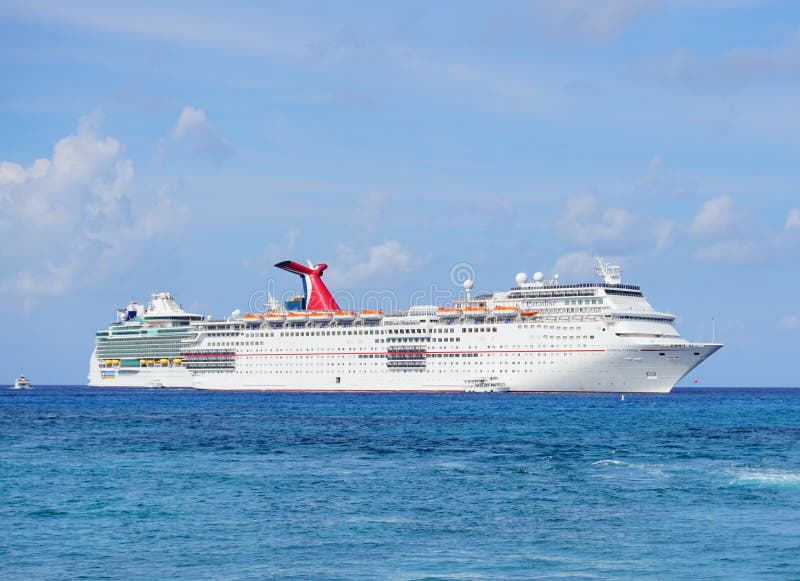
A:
<point x="187" y="484"/>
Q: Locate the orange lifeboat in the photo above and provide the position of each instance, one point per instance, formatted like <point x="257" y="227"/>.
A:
<point x="444" y="313"/>
<point x="297" y="317"/>
<point x="252" y="317"/>
<point x="528" y="314"/>
<point x="344" y="316"/>
<point x="475" y="312"/>
<point x="371" y="315"/>
<point x="274" y="317"/>
<point x="320" y="316"/>
<point x="502" y="311"/>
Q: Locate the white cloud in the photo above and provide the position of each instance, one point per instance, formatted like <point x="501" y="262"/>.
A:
<point x="77" y="212"/>
<point x="715" y="217"/>
<point x="193" y="130"/>
<point x="382" y="262"/>
<point x="591" y="20"/>
<point x="227" y="27"/>
<point x="584" y="224"/>
<point x="793" y="219"/>
<point x="575" y="266"/>
<point x="190" y="119"/>
<point x="789" y="322"/>
<point x="12" y="173"/>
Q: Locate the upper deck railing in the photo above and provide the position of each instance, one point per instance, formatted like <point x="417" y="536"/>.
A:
<point x="577" y="285"/>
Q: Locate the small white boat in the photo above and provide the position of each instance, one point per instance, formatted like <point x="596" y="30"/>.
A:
<point x="22" y="382"/>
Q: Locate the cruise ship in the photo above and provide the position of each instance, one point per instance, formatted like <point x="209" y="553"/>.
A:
<point x="142" y="348"/>
<point x="540" y="335"/>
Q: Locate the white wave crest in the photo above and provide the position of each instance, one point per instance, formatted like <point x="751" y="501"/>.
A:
<point x="766" y="478"/>
<point x="607" y="463"/>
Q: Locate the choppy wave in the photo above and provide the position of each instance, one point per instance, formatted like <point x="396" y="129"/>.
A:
<point x="766" y="478"/>
<point x="255" y="485"/>
<point x="608" y="462"/>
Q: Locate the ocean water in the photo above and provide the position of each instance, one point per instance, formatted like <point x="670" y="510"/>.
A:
<point x="701" y="483"/>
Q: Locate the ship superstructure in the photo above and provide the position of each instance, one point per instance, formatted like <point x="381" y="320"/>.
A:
<point x="537" y="336"/>
<point x="142" y="348"/>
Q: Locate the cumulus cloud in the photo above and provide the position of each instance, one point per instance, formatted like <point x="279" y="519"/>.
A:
<point x="77" y="211"/>
<point x="379" y="264"/>
<point x="193" y="130"/>
<point x="584" y="224"/>
<point x="189" y="120"/>
<point x="715" y="217"/>
<point x="575" y="266"/>
<point x="734" y="240"/>
<point x="590" y="20"/>
<point x="793" y="219"/>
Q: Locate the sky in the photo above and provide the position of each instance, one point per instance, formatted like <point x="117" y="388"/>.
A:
<point x="190" y="146"/>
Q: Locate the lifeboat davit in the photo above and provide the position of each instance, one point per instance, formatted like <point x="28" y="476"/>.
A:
<point x="344" y="316"/>
<point x="296" y="317"/>
<point x="320" y="316"/>
<point x="528" y="314"/>
<point x="371" y="315"/>
<point x="475" y="312"/>
<point x="444" y="313"/>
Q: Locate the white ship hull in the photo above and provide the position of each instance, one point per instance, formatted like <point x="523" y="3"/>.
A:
<point x="137" y="376"/>
<point x="513" y="354"/>
<point x="617" y="377"/>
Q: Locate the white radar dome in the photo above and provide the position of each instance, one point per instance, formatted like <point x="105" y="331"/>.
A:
<point x="538" y="276"/>
<point x="521" y="278"/>
<point x="236" y="314"/>
<point x="468" y="284"/>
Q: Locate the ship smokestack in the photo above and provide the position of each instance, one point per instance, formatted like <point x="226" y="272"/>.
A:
<point x="318" y="297"/>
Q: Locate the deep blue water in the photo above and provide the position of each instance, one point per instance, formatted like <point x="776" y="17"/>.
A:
<point x="188" y="484"/>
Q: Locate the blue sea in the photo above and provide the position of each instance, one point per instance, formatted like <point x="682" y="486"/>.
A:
<point x="102" y="483"/>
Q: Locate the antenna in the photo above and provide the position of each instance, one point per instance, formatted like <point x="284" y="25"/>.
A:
<point x="610" y="273"/>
